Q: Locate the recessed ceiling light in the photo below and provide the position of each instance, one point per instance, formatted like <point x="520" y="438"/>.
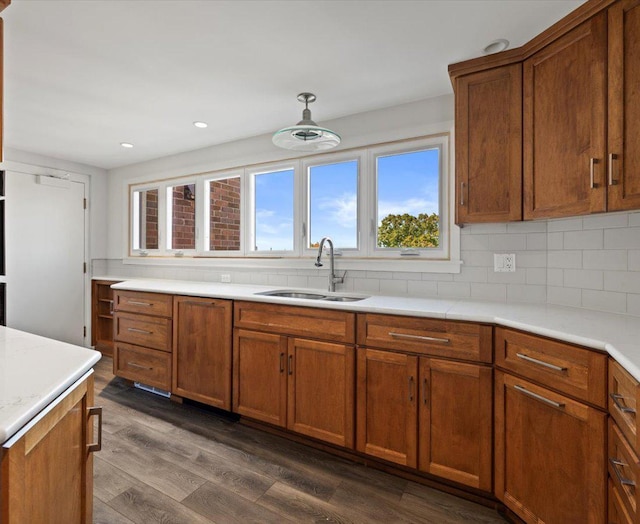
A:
<point x="201" y="125"/>
<point x="126" y="144"/>
<point x="496" y="46"/>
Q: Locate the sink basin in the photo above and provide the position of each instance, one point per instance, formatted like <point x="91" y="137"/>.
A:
<point x="309" y="295"/>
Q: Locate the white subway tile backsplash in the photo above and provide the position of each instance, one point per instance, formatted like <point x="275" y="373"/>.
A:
<point x="536" y="276"/>
<point x="509" y="242"/>
<point x="622" y="281"/>
<point x="633" y="260"/>
<point x="471" y="274"/>
<point x="523" y="293"/>
<point x="605" y="221"/>
<point x="477" y="259"/>
<point x="628" y="238"/>
<point x="633" y="304"/>
<point x="564" y="259"/>
<point x="604" y="301"/>
<point x="393" y="287"/>
<point x="454" y="289"/>
<point x="584" y="278"/>
<point x="564" y="296"/>
<point x="496" y="292"/>
<point x="517" y="277"/>
<point x="525" y="259"/>
<point x="555" y="241"/>
<point x="527" y="227"/>
<point x="422" y="288"/>
<point x="480" y="229"/>
<point x="592" y="239"/>
<point x="476" y="243"/>
<point x="615" y="259"/>
<point x="555" y="277"/>
<point x="565" y="224"/>
<point x="536" y="241"/>
<point x="634" y="219"/>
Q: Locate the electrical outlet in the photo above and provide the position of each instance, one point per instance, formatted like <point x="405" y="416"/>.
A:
<point x="225" y="277"/>
<point x="504" y="263"/>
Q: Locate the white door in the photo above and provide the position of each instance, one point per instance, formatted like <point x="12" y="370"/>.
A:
<point x="45" y="253"/>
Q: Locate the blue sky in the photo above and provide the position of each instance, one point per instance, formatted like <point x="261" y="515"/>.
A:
<point x="406" y="183"/>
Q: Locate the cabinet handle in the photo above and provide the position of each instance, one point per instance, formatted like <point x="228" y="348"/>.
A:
<point x="197" y="303"/>
<point x="616" y="400"/>
<point x="136" y="330"/>
<point x="425" y="387"/>
<point x="138" y="366"/>
<point x="411" y="381"/>
<point x="612" y="157"/>
<point x="98" y="445"/>
<point x="281" y="362"/>
<point x="538" y="397"/>
<point x="418" y="337"/>
<point x="540" y="362"/>
<point x="111" y="307"/>
<point x="290" y="364"/>
<point x="462" y="186"/>
<point x="623" y="480"/>
<point x="135" y="303"/>
<point x="592" y="164"/>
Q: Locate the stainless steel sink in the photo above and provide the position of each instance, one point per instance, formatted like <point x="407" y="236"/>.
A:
<point x="309" y="295"/>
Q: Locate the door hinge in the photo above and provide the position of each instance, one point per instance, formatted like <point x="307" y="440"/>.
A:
<point x="84" y="331"/>
<point x="84" y="267"/>
<point x="84" y="203"/>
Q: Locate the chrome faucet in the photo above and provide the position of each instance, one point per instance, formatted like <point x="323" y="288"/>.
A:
<point x="333" y="279"/>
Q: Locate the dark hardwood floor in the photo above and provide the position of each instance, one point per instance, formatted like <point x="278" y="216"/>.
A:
<point x="167" y="463"/>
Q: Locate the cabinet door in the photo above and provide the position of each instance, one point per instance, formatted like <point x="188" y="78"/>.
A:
<point x="102" y="316"/>
<point x="259" y="376"/>
<point x="202" y="350"/>
<point x="565" y="124"/>
<point x="387" y="413"/>
<point x="47" y="468"/>
<point x="549" y="454"/>
<point x="455" y="421"/>
<point x="489" y="146"/>
<point x="623" y="162"/>
<point x="321" y="390"/>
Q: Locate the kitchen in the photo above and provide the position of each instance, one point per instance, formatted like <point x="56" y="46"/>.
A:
<point x="586" y="261"/>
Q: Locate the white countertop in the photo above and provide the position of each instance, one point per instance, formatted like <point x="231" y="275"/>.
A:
<point x="619" y="335"/>
<point x="34" y="371"/>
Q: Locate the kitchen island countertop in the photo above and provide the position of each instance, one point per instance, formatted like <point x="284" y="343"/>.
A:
<point x="34" y="371"/>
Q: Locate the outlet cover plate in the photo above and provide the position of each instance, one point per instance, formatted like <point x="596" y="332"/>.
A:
<point x="504" y="262"/>
<point x="225" y="277"/>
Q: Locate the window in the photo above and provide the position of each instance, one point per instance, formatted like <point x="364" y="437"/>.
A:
<point x="273" y="210"/>
<point x="408" y="200"/>
<point x="181" y="217"/>
<point x="378" y="204"/>
<point x="332" y="204"/>
<point x="224" y="214"/>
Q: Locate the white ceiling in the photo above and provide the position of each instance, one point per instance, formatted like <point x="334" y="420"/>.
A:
<point x="83" y="76"/>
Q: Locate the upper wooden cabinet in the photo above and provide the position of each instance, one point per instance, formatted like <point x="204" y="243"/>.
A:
<point x="489" y="145"/>
<point x="623" y="160"/>
<point x="565" y="124"/>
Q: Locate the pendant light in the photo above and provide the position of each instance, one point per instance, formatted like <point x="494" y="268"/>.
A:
<point x="306" y="135"/>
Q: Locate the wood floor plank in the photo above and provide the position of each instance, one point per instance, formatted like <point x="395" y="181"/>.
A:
<point x="220" y="505"/>
<point x="109" y="481"/>
<point x="149" y="506"/>
<point x="105" y="514"/>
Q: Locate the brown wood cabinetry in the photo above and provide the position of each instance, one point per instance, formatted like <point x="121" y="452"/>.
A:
<point x="489" y="145"/>
<point x="565" y="107"/>
<point x="46" y="472"/>
<point x="284" y="378"/>
<point x="549" y="447"/>
<point x="202" y="350"/>
<point x="143" y="337"/>
<point x="422" y="412"/>
<point x="102" y="316"/>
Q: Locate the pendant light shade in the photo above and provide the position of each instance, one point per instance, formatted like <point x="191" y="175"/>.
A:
<point x="306" y="135"/>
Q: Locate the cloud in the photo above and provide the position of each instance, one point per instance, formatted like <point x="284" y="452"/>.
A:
<point x="342" y="210"/>
<point x="413" y="206"/>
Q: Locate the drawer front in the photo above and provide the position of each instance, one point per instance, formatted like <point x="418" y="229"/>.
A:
<point x="623" y="397"/>
<point x="141" y="330"/>
<point x="618" y="513"/>
<point x="425" y="336"/>
<point x="570" y="369"/>
<point x="324" y="324"/>
<point x="623" y="468"/>
<point x="154" y="304"/>
<point x="143" y="365"/>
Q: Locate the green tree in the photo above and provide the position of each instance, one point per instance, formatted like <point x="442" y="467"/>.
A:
<point x="409" y="231"/>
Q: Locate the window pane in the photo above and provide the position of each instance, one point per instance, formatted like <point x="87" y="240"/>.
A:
<point x="333" y="204"/>
<point x="274" y="211"/>
<point x="182" y="216"/>
<point x="224" y="214"/>
<point x="408" y="200"/>
<point x="145" y="219"/>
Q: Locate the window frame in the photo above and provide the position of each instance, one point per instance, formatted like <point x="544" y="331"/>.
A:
<point x="132" y="224"/>
<point x="167" y="217"/>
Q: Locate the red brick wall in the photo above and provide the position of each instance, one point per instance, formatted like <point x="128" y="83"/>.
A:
<point x="224" y="211"/>
<point x="151" y="219"/>
<point x="183" y="234"/>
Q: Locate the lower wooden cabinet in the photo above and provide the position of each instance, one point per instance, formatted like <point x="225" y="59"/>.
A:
<point x="46" y="472"/>
<point x="428" y="413"/>
<point x="102" y="316"/>
<point x="549" y="454"/>
<point x="202" y="350"/>
<point x="303" y="385"/>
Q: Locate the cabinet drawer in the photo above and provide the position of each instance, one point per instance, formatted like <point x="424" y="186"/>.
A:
<point x="570" y="369"/>
<point x="324" y="324"/>
<point x="623" y="468"/>
<point x="618" y="513"/>
<point x="143" y="365"/>
<point x="426" y="336"/>
<point x="154" y="304"/>
<point x="623" y="400"/>
<point x="142" y="330"/>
